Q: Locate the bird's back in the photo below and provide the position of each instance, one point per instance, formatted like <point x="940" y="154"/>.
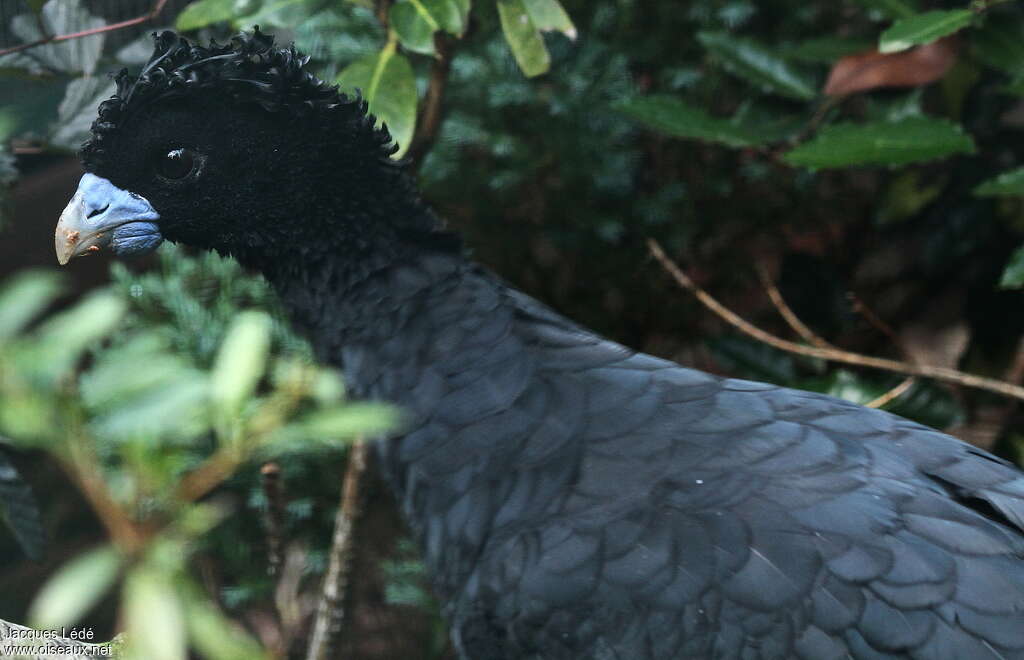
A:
<point x="718" y="518"/>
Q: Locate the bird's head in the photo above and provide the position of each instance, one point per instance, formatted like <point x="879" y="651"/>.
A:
<point x="236" y="148"/>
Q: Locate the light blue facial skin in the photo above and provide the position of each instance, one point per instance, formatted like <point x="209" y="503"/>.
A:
<point x="118" y="218"/>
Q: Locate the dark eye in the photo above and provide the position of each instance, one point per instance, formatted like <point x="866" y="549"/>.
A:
<point x="177" y="164"/>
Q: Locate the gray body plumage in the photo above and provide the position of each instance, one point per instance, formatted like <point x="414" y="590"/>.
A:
<point x="576" y="499"/>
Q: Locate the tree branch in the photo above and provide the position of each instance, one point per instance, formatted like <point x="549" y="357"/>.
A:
<point x="429" y="124"/>
<point x="330" y="611"/>
<point x="830" y="354"/>
<point x="158" y="6"/>
<point x="784" y="310"/>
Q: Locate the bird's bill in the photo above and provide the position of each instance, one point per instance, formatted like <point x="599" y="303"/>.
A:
<point x="101" y="215"/>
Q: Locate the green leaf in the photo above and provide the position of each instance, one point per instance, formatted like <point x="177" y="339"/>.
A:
<point x="174" y="408"/>
<point x="204" y="12"/>
<point x="77" y="110"/>
<point x="463" y="7"/>
<point x="1013" y="273"/>
<point x="923" y="29"/>
<point x="523" y="38"/>
<point x="678" y="119"/>
<point x="388" y="84"/>
<point x="890" y="8"/>
<point x="1000" y="45"/>
<point x="758" y="65"/>
<point x="825" y="49"/>
<point x="1007" y="184"/>
<point x="414" y="31"/>
<point x="74" y="588"/>
<point x="114" y="376"/>
<point x="63" y="17"/>
<point x="35" y="5"/>
<point x="548" y="15"/>
<point x="241" y="361"/>
<point x="23" y="297"/>
<point x="275" y="13"/>
<point x="216" y="636"/>
<point x="910" y="140"/>
<point x="154" y="621"/>
<point x="64" y="337"/>
<point x="332" y="427"/>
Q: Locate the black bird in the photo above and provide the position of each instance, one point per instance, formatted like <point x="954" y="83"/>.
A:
<point x="573" y="498"/>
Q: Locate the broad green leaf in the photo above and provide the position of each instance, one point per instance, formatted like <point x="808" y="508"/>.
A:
<point x="173" y="408"/>
<point x="349" y="420"/>
<point x="757" y="64"/>
<point x="332" y="428"/>
<point x="523" y="38"/>
<point x="63" y="17"/>
<point x="910" y="140"/>
<point x="153" y="617"/>
<point x="1013" y="273"/>
<point x="23" y="297"/>
<point x="28" y="417"/>
<point x="66" y="336"/>
<point x="284" y="14"/>
<point x="77" y="110"/>
<point x="891" y="8"/>
<point x="825" y="49"/>
<point x="36" y="5"/>
<point x="923" y="29"/>
<point x="1007" y="184"/>
<point x="388" y="84"/>
<point x="216" y="636"/>
<point x="75" y="588"/>
<point x="414" y="30"/>
<point x="464" y="7"/>
<point x="241" y="361"/>
<point x="678" y="119"/>
<point x="115" y="376"/>
<point x="204" y="12"/>
<point x="1000" y="44"/>
<point x="549" y="15"/>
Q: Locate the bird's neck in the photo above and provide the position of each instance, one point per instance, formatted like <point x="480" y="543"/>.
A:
<point x="430" y="332"/>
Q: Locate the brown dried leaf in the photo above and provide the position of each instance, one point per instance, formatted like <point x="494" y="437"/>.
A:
<point x="910" y="68"/>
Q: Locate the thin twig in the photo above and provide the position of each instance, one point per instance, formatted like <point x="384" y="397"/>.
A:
<point x="382" y="9"/>
<point x="82" y="467"/>
<point x="784" y="310"/>
<point x="809" y="336"/>
<point x="51" y="38"/>
<point x="892" y="394"/>
<point x="831" y="354"/>
<point x="875" y="320"/>
<point x="330" y="611"/>
<point x="429" y="124"/>
<point x="209" y="475"/>
<point x="270" y="481"/>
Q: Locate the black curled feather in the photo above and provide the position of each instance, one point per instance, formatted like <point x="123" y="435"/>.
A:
<point x="249" y="69"/>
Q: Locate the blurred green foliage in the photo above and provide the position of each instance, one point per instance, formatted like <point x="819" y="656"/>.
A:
<point x="570" y="135"/>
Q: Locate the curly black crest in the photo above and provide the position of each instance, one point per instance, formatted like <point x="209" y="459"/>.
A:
<point x="250" y="69"/>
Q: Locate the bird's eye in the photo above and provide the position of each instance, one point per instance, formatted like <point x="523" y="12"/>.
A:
<point x="177" y="164"/>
